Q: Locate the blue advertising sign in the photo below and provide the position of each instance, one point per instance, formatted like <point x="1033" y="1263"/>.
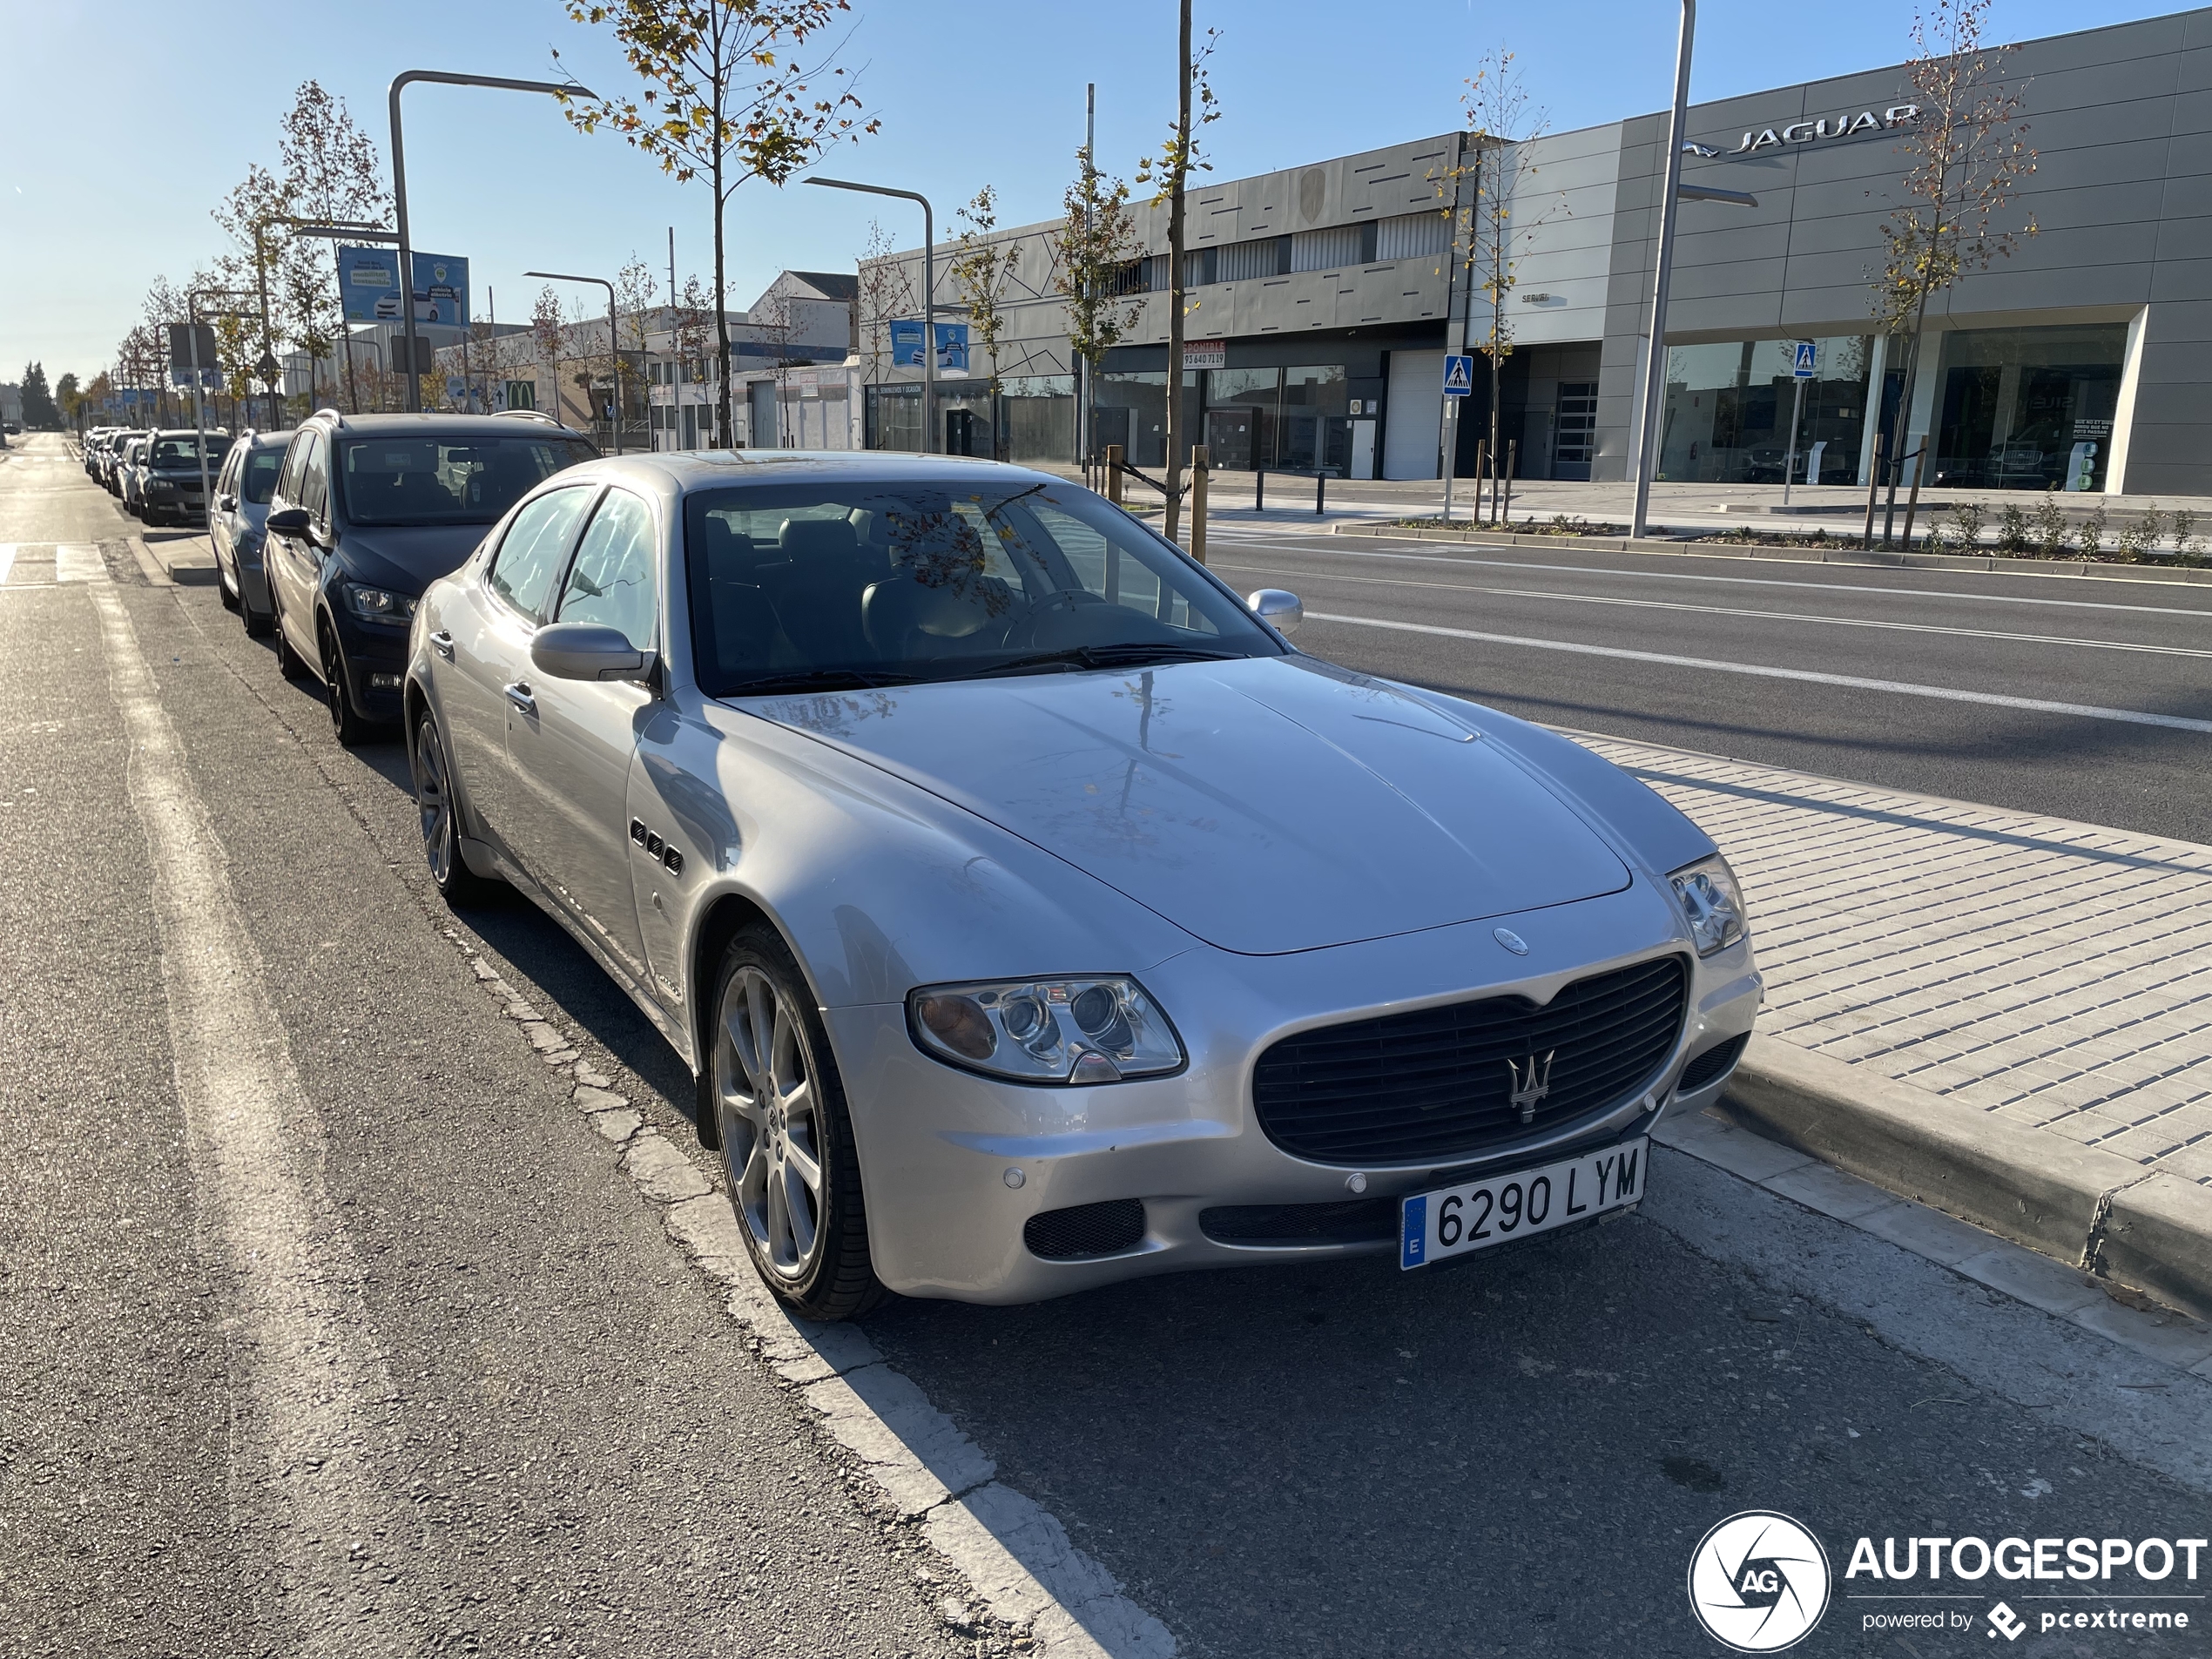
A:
<point x="367" y="277"/>
<point x="951" y="345"/>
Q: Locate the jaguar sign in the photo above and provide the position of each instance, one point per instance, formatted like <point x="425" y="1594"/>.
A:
<point x="1838" y="127"/>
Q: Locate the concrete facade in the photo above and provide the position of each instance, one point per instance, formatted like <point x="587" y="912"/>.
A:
<point x="1331" y="262"/>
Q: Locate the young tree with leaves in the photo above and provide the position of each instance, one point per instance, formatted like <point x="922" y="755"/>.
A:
<point x="885" y="293"/>
<point x="724" y="100"/>
<point x="636" y="288"/>
<point x="546" y="324"/>
<point x="1966" y="160"/>
<point x="1094" y="248"/>
<point x="980" y="270"/>
<point x="1491" y="182"/>
<point x="1170" y="170"/>
<point x="331" y="171"/>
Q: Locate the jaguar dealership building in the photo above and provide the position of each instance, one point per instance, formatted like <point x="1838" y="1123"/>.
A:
<point x="1323" y="299"/>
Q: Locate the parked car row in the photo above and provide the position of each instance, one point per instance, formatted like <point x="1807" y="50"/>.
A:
<point x="157" y="473"/>
<point x="1030" y="912"/>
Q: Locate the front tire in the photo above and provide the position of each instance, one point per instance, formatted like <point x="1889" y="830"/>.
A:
<point x="786" y="1136"/>
<point x="346" y="722"/>
<point x="437" y="806"/>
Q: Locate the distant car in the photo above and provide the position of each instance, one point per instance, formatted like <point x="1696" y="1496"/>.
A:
<point x="130" y="473"/>
<point x="1030" y="912"/>
<point x="174" y="475"/>
<point x="367" y="510"/>
<point x="238" y="521"/>
<point x="91" y="448"/>
<point x="111" y="456"/>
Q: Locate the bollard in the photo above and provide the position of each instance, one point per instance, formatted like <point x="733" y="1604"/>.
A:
<point x="1481" y="477"/>
<point x="1874" y="488"/>
<point x="1513" y="460"/>
<point x="1113" y="474"/>
<point x="1259" y="491"/>
<point x="1320" y="488"/>
<point x="1200" y="464"/>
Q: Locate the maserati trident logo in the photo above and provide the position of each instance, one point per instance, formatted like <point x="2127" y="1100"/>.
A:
<point x="1531" y="1086"/>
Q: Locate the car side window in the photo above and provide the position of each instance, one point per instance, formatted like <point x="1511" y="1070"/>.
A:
<point x="534" y="549"/>
<point x="315" y="477"/>
<point x="288" y="476"/>
<point x="612" y="582"/>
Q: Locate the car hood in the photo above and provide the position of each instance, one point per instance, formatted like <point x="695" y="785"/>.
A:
<point x="1267" y="805"/>
<point x="408" y="558"/>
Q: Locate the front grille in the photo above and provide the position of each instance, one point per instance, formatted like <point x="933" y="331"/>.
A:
<point x="1713" y="1063"/>
<point x="1348" y="1221"/>
<point x="1438" y="1084"/>
<point x="1087" y="1230"/>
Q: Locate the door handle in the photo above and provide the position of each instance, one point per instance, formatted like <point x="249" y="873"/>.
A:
<point x="441" y="642"/>
<point x="519" y="695"/>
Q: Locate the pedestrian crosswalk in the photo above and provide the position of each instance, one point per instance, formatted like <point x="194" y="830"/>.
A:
<point x="41" y="564"/>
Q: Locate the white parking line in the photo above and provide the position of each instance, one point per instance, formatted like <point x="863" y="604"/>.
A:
<point x="1723" y="610"/>
<point x="1901" y="688"/>
<point x="7" y="560"/>
<point x="316" y="1391"/>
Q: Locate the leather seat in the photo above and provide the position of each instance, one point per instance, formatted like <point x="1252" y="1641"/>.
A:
<point x="819" y="601"/>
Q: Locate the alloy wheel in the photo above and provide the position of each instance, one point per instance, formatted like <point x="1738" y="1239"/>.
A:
<point x="770" y="1115"/>
<point x="434" y="801"/>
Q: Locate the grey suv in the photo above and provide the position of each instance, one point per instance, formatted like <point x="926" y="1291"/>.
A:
<point x="169" y="481"/>
<point x="368" y="510"/>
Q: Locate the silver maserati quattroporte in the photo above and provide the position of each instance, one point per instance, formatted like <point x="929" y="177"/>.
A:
<point x="1031" y="912"/>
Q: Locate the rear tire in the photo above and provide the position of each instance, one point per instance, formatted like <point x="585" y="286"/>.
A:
<point x="289" y="661"/>
<point x="438" y="810"/>
<point x="794" y="1175"/>
<point x="233" y="599"/>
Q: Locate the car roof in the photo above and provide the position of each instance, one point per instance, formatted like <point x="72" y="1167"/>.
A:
<point x="482" y="426"/>
<point x="692" y="470"/>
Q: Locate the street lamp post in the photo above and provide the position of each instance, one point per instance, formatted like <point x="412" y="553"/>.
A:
<point x="928" y="296"/>
<point x="1655" y="367"/>
<point x="614" y="342"/>
<point x="400" y="84"/>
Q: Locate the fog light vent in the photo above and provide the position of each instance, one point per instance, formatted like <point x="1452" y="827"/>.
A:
<point x="1715" y="1062"/>
<point x="1086" y="1230"/>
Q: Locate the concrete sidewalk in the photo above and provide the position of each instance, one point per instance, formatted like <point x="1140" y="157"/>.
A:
<point x="2004" y="1015"/>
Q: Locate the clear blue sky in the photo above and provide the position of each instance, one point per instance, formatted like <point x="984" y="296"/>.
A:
<point x="127" y="120"/>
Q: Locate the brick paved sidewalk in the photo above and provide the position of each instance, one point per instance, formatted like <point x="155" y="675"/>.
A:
<point x="2055" y="975"/>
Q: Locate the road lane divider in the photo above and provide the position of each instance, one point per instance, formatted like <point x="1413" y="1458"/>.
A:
<point x="1713" y="665"/>
<point x="318" y="1395"/>
<point x="1723" y="610"/>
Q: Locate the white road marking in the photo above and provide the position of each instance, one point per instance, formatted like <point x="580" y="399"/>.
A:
<point x="1901" y="688"/>
<point x="316" y="1387"/>
<point x="2204" y="614"/>
<point x="75" y="562"/>
<point x="7" y="560"/>
<point x="1723" y="610"/>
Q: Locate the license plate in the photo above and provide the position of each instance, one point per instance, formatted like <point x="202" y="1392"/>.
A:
<point x="1478" y="1214"/>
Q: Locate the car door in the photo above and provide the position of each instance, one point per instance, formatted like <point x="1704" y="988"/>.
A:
<point x="483" y="648"/>
<point x="571" y="742"/>
<point x="222" y="521"/>
<point x="295" y="561"/>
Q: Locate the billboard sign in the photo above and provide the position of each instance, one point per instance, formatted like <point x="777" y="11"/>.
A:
<point x="368" y="279"/>
<point x="952" y="346"/>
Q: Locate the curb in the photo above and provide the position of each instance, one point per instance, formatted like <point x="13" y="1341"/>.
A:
<point x="2095" y="1211"/>
<point x="1991" y="564"/>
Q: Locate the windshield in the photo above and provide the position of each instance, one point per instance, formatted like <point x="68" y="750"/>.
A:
<point x="407" y="480"/>
<point x="172" y="454"/>
<point x="261" y="469"/>
<point x="818" y="587"/>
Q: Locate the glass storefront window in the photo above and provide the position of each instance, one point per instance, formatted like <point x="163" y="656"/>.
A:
<point x="2028" y="408"/>
<point x="1241" y="407"/>
<point x="1040" y="416"/>
<point x="1729" y="405"/>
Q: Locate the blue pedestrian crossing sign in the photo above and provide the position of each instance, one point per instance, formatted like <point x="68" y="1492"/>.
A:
<point x="1458" y="375"/>
<point x="1805" y="358"/>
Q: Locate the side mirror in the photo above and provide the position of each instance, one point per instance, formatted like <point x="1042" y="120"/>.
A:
<point x="1280" y="611"/>
<point x="228" y="503"/>
<point x="588" y="651"/>
<point x="293" y="520"/>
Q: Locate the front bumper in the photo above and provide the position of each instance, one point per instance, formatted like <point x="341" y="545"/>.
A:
<point x="937" y="1145"/>
<point x="375" y="661"/>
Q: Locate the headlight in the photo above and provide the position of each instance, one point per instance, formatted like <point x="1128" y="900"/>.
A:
<point x="161" y="487"/>
<point x="378" y="604"/>
<point x="1087" y="1030"/>
<point x="1712" y="902"/>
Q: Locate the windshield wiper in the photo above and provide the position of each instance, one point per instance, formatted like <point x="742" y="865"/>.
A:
<point x="1130" y="654"/>
<point x="814" y="679"/>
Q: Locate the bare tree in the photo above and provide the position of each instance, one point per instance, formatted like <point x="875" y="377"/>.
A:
<point x="773" y="320"/>
<point x="1095" y="248"/>
<point x="980" y="271"/>
<point x="331" y="171"/>
<point x="722" y="101"/>
<point x="1170" y="169"/>
<point x="635" y="292"/>
<point x="545" y="328"/>
<point x="1966" y="162"/>
<point x="887" y="293"/>
<point x="1492" y="183"/>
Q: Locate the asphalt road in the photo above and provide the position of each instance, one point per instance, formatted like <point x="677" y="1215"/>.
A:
<point x="1955" y="656"/>
<point x="544" y="1433"/>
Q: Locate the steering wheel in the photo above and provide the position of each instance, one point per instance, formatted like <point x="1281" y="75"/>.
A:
<point x="1023" y="631"/>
